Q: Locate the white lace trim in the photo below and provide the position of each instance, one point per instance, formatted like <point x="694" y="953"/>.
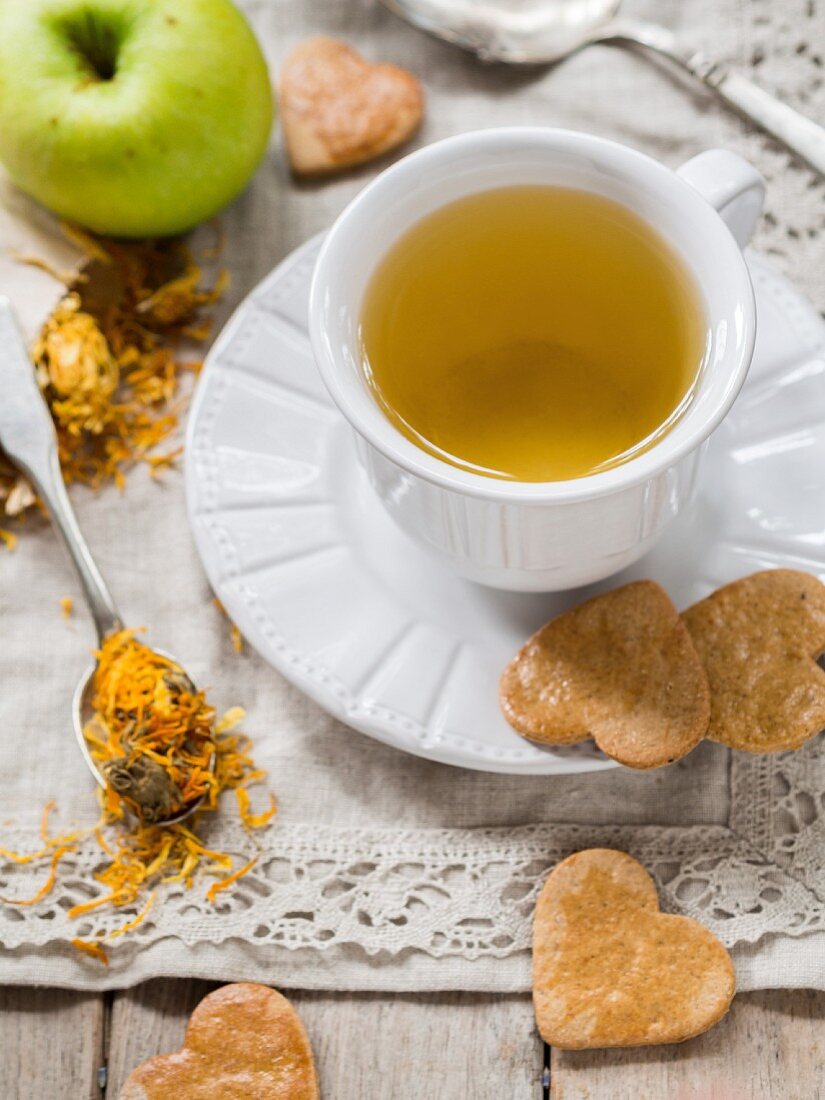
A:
<point x="780" y="47"/>
<point x="466" y="893"/>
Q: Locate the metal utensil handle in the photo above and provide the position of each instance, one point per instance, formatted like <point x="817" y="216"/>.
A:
<point x="801" y="135"/>
<point x="28" y="438"/>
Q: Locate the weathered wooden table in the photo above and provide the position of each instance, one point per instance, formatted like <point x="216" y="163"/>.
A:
<point x="56" y="1044"/>
<point x="422" y="1047"/>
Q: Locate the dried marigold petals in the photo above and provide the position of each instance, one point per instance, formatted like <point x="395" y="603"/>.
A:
<point x="225" y="883"/>
<point x="109" y="363"/>
<point x="44" y="820"/>
<point x="233" y="717"/>
<point x="85" y="241"/>
<point x="234" y="633"/>
<point x="93" y="948"/>
<point x="132" y="924"/>
<point x="148" y="710"/>
<point x="176" y="301"/>
<point x="250" y="820"/>
<point x="72" y="837"/>
<point x="67" y="278"/>
<point x="66" y="606"/>
<point x="159" y="747"/>
<point x="65" y="841"/>
<point x="76" y="370"/>
<point x="48" y="885"/>
<point x="23" y="857"/>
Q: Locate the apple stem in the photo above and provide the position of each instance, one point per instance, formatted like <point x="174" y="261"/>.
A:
<point x="96" y="44"/>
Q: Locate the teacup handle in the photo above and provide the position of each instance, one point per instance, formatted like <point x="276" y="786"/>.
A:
<point x="731" y="186"/>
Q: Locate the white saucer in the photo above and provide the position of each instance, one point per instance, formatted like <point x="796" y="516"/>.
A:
<point x="337" y="599"/>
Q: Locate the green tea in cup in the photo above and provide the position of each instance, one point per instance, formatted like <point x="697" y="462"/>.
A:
<point x="532" y="333"/>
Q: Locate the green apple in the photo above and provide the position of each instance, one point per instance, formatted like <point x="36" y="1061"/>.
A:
<point x="134" y="118"/>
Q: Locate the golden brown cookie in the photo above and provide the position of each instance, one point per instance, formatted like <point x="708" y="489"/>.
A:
<point x="245" y="1041"/>
<point x="759" y="639"/>
<point x="620" y="668"/>
<point x="611" y="970"/>
<point x="339" y="110"/>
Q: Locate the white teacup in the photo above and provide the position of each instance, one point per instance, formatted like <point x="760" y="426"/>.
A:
<point x="533" y="536"/>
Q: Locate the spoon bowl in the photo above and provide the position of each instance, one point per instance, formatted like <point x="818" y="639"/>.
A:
<point x="83" y="711"/>
<point x="542" y="32"/>
<point x="531" y="32"/>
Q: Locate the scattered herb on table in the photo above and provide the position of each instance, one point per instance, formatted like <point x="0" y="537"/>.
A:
<point x="235" y="635"/>
<point x="155" y="738"/>
<point x="110" y="358"/>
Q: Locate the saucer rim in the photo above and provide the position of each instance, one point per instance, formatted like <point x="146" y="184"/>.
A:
<point x="326" y="690"/>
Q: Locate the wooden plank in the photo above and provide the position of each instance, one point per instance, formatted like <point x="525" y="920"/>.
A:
<point x="368" y="1046"/>
<point x="51" y="1043"/>
<point x="771" y="1044"/>
<point x="371" y="1046"/>
<point x="149" y="1019"/>
<point x="447" y="1046"/>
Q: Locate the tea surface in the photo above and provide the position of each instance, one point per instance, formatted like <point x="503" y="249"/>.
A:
<point x="532" y="333"/>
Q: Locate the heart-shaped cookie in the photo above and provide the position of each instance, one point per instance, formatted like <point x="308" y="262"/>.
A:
<point x="620" y="668"/>
<point x="611" y="970"/>
<point x="759" y="639"/>
<point x="243" y="1041"/>
<point x="339" y="110"/>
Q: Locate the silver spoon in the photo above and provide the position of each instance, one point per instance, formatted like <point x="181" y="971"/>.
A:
<point x="28" y="439"/>
<point x="546" y="31"/>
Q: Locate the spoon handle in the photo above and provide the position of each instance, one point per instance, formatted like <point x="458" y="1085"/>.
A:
<point x="28" y="438"/>
<point x="797" y="133"/>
